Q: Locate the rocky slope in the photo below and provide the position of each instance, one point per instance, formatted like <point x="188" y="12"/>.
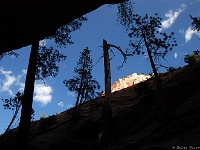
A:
<point x="128" y="81"/>
<point x="156" y="120"/>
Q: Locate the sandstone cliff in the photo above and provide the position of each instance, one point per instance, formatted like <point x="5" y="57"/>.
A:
<point x="128" y="81"/>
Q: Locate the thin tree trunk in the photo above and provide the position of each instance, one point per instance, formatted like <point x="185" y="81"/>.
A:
<point x="80" y="104"/>
<point x="25" y="119"/>
<point x="106" y="111"/>
<point x="11" y="122"/>
<point x="76" y="108"/>
<point x="158" y="82"/>
<point x="74" y="116"/>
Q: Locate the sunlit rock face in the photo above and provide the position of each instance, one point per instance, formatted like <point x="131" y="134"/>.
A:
<point x="129" y="81"/>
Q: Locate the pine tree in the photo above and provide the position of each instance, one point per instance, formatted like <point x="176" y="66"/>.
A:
<point x="82" y="84"/>
<point x="146" y="35"/>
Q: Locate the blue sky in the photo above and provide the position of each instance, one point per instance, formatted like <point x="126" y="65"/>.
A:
<point x="51" y="96"/>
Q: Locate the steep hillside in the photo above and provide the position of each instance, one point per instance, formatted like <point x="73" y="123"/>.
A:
<point x="155" y="120"/>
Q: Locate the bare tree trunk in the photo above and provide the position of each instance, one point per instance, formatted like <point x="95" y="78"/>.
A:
<point x="25" y="119"/>
<point x="107" y="72"/>
<point x="107" y="111"/>
<point x="158" y="82"/>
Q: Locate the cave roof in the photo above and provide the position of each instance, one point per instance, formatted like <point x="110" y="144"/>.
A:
<point x="24" y="21"/>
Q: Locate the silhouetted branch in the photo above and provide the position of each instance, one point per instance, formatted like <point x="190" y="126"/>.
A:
<point x="123" y="54"/>
<point x="98" y="60"/>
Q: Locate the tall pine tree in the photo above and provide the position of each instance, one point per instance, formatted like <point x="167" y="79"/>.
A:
<point x="146" y="35"/>
<point x="82" y="84"/>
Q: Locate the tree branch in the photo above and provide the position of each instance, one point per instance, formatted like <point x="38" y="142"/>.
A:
<point x="123" y="54"/>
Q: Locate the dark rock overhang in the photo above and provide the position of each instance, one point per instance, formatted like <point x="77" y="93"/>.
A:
<point x="24" y="21"/>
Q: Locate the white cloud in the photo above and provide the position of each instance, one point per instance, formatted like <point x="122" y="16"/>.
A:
<point x="175" y="55"/>
<point x="41" y="91"/>
<point x="21" y="86"/>
<point x="61" y="104"/>
<point x="42" y="94"/>
<point x="18" y="81"/>
<point x="8" y="82"/>
<point x="189" y="33"/>
<point x="2" y="71"/>
<point x="172" y="16"/>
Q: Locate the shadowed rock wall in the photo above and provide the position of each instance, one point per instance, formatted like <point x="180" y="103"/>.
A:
<point x="23" y="21"/>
